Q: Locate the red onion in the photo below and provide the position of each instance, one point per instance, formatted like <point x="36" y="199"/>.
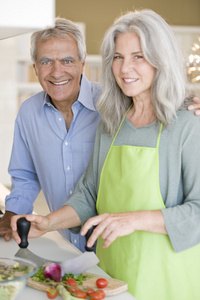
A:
<point x="53" y="271"/>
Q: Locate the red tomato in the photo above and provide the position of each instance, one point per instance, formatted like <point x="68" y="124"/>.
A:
<point x="101" y="283"/>
<point x="79" y="294"/>
<point x="52" y="293"/>
<point x="102" y="293"/>
<point x="71" y="281"/>
<point x="72" y="289"/>
<point x="89" y="291"/>
<point x="95" y="296"/>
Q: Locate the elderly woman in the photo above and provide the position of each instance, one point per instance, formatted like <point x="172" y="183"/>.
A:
<point x="143" y="178"/>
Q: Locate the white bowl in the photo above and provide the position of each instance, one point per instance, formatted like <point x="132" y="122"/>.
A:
<point x="13" y="276"/>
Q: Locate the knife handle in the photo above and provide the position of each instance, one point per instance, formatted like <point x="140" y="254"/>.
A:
<point x="23" y="227"/>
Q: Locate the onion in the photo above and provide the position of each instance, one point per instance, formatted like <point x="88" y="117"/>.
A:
<point x="53" y="271"/>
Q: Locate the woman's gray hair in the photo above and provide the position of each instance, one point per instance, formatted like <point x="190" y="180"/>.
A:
<point x="160" y="48"/>
<point x="63" y="29"/>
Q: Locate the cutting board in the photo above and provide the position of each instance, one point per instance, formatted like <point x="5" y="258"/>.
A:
<point x="114" y="286"/>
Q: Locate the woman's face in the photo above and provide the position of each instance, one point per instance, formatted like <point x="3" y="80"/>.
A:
<point x="133" y="73"/>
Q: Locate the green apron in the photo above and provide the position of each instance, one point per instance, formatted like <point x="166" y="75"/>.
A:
<point x="146" y="261"/>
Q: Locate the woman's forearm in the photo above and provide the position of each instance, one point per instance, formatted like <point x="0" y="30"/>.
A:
<point x="150" y="220"/>
<point x="65" y="217"/>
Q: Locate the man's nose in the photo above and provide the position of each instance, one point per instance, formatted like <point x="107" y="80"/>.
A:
<point x="56" y="68"/>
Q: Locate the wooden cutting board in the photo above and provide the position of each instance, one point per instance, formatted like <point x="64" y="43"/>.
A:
<point x="114" y="286"/>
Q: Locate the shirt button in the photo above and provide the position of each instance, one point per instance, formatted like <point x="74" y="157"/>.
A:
<point x="71" y="192"/>
<point x="66" y="143"/>
<point x="60" y="119"/>
<point x="75" y="241"/>
<point x="68" y="168"/>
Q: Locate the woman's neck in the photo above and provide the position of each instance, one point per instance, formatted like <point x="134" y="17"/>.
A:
<point x="141" y="113"/>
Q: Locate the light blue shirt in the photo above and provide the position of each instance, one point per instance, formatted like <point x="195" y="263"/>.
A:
<point x="45" y="156"/>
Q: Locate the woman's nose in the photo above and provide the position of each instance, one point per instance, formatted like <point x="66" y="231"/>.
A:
<point x="126" y="66"/>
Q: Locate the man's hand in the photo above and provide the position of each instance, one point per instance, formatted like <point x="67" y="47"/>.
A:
<point x="5" y="228"/>
<point x="196" y="105"/>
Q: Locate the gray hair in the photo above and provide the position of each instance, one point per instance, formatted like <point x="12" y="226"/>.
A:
<point x="63" y="29"/>
<point x="160" y="48"/>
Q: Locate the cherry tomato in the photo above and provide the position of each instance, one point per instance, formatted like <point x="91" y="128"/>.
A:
<point x="101" y="283"/>
<point x="71" y="282"/>
<point x="102" y="293"/>
<point x="52" y="293"/>
<point x="72" y="289"/>
<point x="89" y="291"/>
<point x="79" y="294"/>
<point x="95" y="296"/>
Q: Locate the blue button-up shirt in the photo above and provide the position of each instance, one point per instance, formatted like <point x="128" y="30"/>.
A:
<point x="45" y="156"/>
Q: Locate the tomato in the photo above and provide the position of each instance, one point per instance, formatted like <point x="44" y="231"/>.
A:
<point x="95" y="296"/>
<point x="71" y="289"/>
<point x="102" y="293"/>
<point x="79" y="294"/>
<point x="89" y="291"/>
<point x="71" y="282"/>
<point x="52" y="293"/>
<point x="101" y="283"/>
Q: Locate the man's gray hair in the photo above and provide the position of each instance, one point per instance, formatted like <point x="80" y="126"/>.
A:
<point x="63" y="29"/>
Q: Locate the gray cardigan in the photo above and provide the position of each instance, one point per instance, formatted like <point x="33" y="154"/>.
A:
<point x="179" y="174"/>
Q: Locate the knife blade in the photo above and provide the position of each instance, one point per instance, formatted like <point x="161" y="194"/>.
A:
<point x="75" y="265"/>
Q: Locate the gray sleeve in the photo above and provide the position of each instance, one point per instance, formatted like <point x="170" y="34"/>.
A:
<point x="183" y="221"/>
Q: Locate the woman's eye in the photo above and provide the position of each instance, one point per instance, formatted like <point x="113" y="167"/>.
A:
<point x="117" y="57"/>
<point x="138" y="56"/>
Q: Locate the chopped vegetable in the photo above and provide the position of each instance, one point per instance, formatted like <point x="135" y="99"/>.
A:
<point x="79" y="278"/>
<point x="53" y="271"/>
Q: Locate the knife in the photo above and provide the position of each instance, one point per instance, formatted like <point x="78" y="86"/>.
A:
<point x="23" y="227"/>
<point x="75" y="265"/>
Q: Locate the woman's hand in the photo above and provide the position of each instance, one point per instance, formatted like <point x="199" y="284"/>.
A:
<point x="109" y="226"/>
<point x="39" y="226"/>
<point x="196" y="105"/>
<point x="112" y="226"/>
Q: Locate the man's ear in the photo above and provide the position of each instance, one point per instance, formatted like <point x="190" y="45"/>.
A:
<point x="35" y="69"/>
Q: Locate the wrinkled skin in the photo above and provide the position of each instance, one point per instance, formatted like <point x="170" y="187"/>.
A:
<point x="5" y="229"/>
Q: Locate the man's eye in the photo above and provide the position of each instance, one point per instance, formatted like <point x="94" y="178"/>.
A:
<point x="67" y="61"/>
<point x="45" y="62"/>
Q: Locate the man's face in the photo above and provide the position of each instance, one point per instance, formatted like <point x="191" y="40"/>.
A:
<point x="59" y="69"/>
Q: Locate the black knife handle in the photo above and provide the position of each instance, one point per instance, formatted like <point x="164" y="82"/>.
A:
<point x="23" y="227"/>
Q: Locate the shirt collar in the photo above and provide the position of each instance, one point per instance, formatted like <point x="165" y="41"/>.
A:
<point x="85" y="94"/>
<point x="84" y="97"/>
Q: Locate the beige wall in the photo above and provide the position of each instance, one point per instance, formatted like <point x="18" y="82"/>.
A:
<point x="98" y="15"/>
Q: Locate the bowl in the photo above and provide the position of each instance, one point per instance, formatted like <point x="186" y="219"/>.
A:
<point x="14" y="273"/>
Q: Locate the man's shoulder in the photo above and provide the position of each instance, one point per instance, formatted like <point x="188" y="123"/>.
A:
<point x="33" y="101"/>
<point x="96" y="91"/>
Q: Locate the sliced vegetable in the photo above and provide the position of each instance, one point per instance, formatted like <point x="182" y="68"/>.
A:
<point x="53" y="271"/>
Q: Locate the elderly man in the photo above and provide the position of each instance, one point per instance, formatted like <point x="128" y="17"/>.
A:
<point x="54" y="129"/>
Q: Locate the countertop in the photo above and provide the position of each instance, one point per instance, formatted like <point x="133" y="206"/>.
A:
<point x="51" y="246"/>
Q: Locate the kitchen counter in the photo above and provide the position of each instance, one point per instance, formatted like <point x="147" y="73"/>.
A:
<point x="52" y="246"/>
